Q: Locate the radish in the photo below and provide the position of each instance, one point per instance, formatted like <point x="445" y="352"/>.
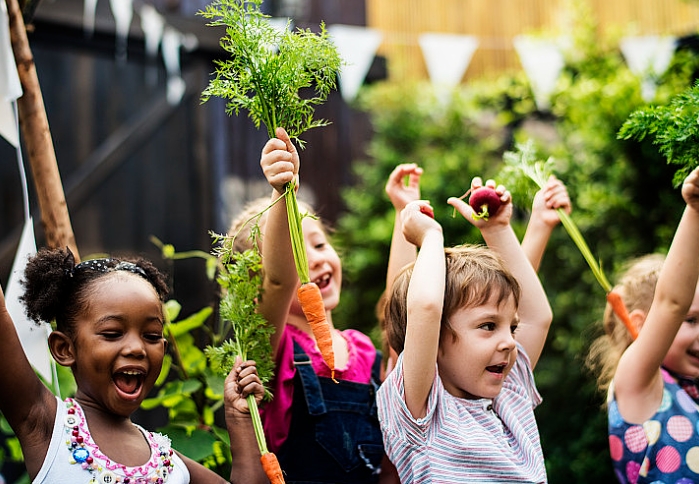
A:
<point x="427" y="211"/>
<point x="485" y="202"/>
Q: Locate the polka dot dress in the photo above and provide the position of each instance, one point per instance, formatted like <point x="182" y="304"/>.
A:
<point x="665" y="448"/>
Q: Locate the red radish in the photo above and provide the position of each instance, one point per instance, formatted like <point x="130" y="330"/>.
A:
<point x="427" y="211"/>
<point x="485" y="202"/>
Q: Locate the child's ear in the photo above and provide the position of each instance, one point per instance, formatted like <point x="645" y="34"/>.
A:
<point x="62" y="348"/>
<point x="638" y="317"/>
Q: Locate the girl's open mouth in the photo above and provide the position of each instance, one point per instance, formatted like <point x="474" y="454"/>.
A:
<point x="129" y="381"/>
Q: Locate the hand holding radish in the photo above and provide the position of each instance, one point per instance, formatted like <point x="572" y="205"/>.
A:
<point x="499" y="216"/>
<point x="280" y="161"/>
<point x="398" y="192"/>
<point x="417" y="221"/>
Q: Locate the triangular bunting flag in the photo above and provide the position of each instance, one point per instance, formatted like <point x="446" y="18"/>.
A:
<point x="89" y="8"/>
<point x="33" y="337"/>
<point x="542" y="61"/>
<point x="648" y="57"/>
<point x="357" y="47"/>
<point x="447" y="57"/>
<point x="152" y="24"/>
<point x="123" y="14"/>
<point x="10" y="86"/>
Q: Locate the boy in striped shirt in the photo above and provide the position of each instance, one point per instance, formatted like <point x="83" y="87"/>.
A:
<point x="459" y="406"/>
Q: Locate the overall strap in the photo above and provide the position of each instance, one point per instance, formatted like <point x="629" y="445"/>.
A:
<point x="309" y="381"/>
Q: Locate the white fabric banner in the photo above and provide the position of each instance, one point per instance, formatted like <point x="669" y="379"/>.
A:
<point x="542" y="61"/>
<point x="33" y="337"/>
<point x="10" y="86"/>
<point x="648" y="57"/>
<point x="447" y="57"/>
<point x="357" y="47"/>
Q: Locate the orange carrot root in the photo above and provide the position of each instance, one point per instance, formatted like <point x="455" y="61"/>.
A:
<point x="272" y="469"/>
<point x="619" y="308"/>
<point x="312" y="305"/>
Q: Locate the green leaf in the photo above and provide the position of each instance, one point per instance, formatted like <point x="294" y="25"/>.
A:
<point x="197" y="444"/>
<point x="192" y="322"/>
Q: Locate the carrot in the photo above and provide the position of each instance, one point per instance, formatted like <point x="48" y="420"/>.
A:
<point x="619" y="309"/>
<point x="272" y="468"/>
<point x="312" y="305"/>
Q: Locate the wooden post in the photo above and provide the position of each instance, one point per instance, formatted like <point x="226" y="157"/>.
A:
<point x="36" y="135"/>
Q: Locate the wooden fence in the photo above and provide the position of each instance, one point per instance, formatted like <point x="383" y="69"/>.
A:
<point x="497" y="22"/>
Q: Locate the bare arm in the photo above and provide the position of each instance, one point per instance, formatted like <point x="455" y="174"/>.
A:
<point x="241" y="382"/>
<point x="25" y="402"/>
<point x="534" y="310"/>
<point x="425" y="302"/>
<point x="544" y="219"/>
<point x="402" y="252"/>
<point x="280" y="164"/>
<point x="641" y="386"/>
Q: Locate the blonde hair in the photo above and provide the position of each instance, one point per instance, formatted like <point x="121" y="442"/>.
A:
<point x="636" y="286"/>
<point x="248" y="226"/>
<point x="474" y="274"/>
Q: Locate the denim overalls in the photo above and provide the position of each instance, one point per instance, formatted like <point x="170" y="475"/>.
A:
<point x="334" y="435"/>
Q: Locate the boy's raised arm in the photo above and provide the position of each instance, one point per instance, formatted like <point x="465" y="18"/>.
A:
<point x="534" y="309"/>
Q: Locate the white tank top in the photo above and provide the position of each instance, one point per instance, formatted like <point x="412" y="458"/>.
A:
<point x="74" y="458"/>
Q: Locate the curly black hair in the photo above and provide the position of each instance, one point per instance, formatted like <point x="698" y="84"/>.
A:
<point x="56" y="289"/>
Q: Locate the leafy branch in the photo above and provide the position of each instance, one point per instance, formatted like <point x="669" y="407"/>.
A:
<point x="673" y="128"/>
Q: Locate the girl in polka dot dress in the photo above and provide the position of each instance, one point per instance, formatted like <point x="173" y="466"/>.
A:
<point x="651" y="382"/>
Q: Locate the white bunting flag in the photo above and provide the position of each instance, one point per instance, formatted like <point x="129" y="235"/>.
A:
<point x="34" y="338"/>
<point x="542" y="61"/>
<point x="152" y="24"/>
<point x="89" y="8"/>
<point x="648" y="57"/>
<point x="447" y="57"/>
<point x="357" y="48"/>
<point x="122" y="10"/>
<point x="10" y="86"/>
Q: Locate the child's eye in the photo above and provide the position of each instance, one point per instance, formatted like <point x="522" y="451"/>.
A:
<point x="488" y="326"/>
<point x="690" y="320"/>
<point x="153" y="337"/>
<point x="110" y="334"/>
<point x="513" y="328"/>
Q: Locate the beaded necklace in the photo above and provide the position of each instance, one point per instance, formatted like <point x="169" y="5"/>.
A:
<point x="85" y="452"/>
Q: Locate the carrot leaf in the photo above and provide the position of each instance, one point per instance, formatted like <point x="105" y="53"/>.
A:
<point x="673" y="128"/>
<point x="523" y="163"/>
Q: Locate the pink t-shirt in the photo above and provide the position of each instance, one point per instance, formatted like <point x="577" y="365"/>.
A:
<point x="276" y="415"/>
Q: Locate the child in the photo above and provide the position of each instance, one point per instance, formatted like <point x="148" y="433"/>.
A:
<point x="459" y="406"/>
<point x="651" y="382"/>
<point x="109" y="331"/>
<point x="544" y="218"/>
<point x="321" y="430"/>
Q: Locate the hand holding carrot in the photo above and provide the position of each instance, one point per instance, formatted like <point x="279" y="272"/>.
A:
<point x="547" y="200"/>
<point x="398" y="191"/>
<point x="280" y="161"/>
<point x="241" y="382"/>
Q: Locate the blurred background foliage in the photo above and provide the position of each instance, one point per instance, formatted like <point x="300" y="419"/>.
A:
<point x="624" y="204"/>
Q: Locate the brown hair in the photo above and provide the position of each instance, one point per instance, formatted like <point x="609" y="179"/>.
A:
<point x="636" y="286"/>
<point x="474" y="274"/>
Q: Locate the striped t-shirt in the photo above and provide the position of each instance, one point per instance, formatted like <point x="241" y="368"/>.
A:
<point x="461" y="440"/>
